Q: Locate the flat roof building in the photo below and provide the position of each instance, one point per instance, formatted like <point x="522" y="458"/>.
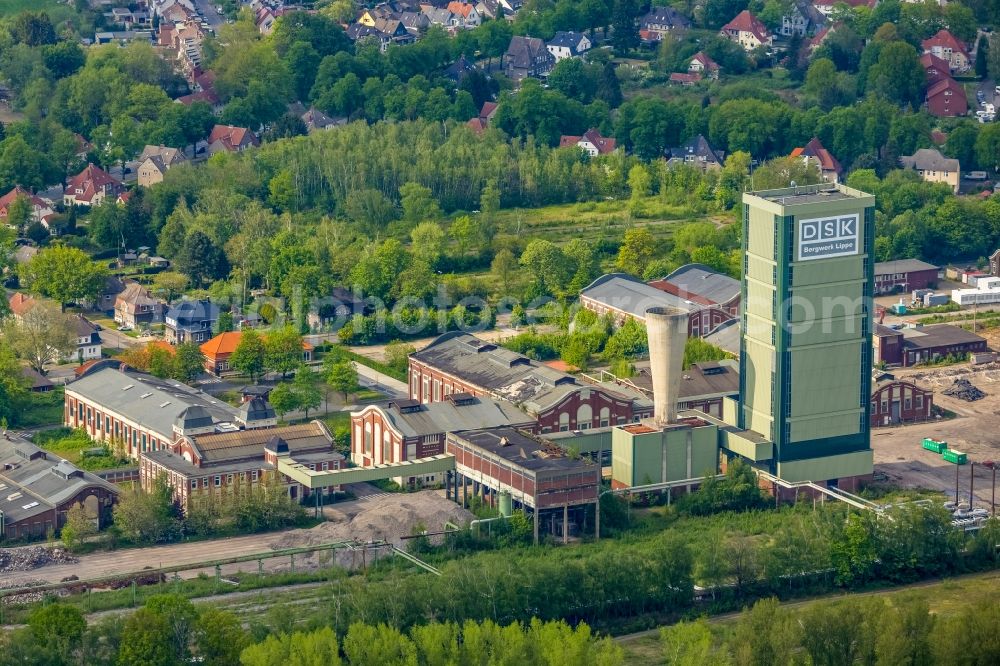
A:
<point x="514" y="469"/>
<point x="912" y="345"/>
<point x="904" y="275"/>
<point x="805" y="358"/>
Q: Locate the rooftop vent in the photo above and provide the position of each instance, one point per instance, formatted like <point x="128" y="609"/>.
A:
<point x="144" y="396"/>
<point x="462" y="398"/>
<point x="128" y="386"/>
<point x="30" y="505"/>
<point x="14" y="496"/>
<point x="164" y="404"/>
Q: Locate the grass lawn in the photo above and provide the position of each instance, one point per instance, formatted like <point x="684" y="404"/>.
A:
<point x="43" y="409"/>
<point x="943" y="597"/>
<point x="9" y="7"/>
<point x="71" y="444"/>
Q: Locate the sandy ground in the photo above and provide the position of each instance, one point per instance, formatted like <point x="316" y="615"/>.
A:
<point x="374" y="515"/>
<point x="975" y="431"/>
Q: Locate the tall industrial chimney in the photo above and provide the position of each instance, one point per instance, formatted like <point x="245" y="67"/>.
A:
<point x="666" y="328"/>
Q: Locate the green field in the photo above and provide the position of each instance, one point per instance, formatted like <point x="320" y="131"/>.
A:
<point x="943" y="598"/>
<point x="55" y="8"/>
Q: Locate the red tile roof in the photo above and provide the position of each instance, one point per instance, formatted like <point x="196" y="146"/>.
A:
<point x="90" y="181"/>
<point x="225" y="343"/>
<point x="935" y="67"/>
<point x="705" y="61"/>
<point x="463" y="9"/>
<point x="685" y="77"/>
<point x="20" y="303"/>
<point x="232" y="137"/>
<point x="18" y="191"/>
<point x="477" y="125"/>
<point x="489" y="108"/>
<point x="946" y="98"/>
<point x="603" y="144"/>
<point x="945" y="40"/>
<point x="815" y="149"/>
<point x="747" y="22"/>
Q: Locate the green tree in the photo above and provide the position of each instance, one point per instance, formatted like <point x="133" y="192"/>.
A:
<point x="342" y="376"/>
<point x="283" y="350"/>
<point x="170" y="284"/>
<point x="688" y="644"/>
<point x="370" y="209"/>
<point x="58" y="626"/>
<point x="548" y="265"/>
<point x="181" y="616"/>
<point x="40" y="336"/>
<point x="427" y="242"/>
<point x="63" y="274"/>
<point x="78" y="527"/>
<point x="188" y="362"/>
<point x="636" y="251"/>
<point x="201" y="259"/>
<point x="317" y="648"/>
<point x="284" y="399"/>
<point x="624" y="36"/>
<point x="988" y="146"/>
<point x="13" y="385"/>
<point x="897" y="75"/>
<point x="397" y="355"/>
<point x="146" y="641"/>
<point x="219" y="638"/>
<point x="504" y="269"/>
<point x="249" y="356"/>
<point x="367" y="644"/>
<point x="418" y="203"/>
<point x="147" y="517"/>
<point x="306" y="387"/>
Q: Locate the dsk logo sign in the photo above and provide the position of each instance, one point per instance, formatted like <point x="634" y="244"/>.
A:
<point x="825" y="237"/>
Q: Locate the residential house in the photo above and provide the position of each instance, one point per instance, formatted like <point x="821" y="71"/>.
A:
<point x="747" y="31"/>
<point x="826" y="7"/>
<point x="466" y="14"/>
<point x="591" y="142"/>
<point x="334" y="309"/>
<point x="814" y="153"/>
<point x="935" y="68"/>
<point x="151" y="171"/>
<point x="934" y="167"/>
<point x="106" y="300"/>
<point x="946" y="98"/>
<point x="458" y="70"/>
<point x="37" y="382"/>
<point x="191" y="321"/>
<point x="802" y="19"/>
<point x="219" y="349"/>
<point x="19" y="304"/>
<point x="203" y="466"/>
<point x="357" y="32"/>
<point x="946" y="46"/>
<point x="696" y="152"/>
<point x="88" y="341"/>
<point x="702" y="64"/>
<point x="206" y="96"/>
<point x="490" y="9"/>
<point x="568" y="45"/>
<point x="685" y="78"/>
<point x="440" y="16"/>
<point x="415" y="22"/>
<point x="135" y="307"/>
<point x="395" y="30"/>
<point x="660" y="21"/>
<point x="316" y="120"/>
<point x="40" y="210"/>
<point x="91" y="186"/>
<point x="39" y="489"/>
<point x="527" y="56"/>
<point x="231" y="139"/>
<point x="169" y="156"/>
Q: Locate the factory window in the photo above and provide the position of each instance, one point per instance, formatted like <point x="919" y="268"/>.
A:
<point x="584" y="416"/>
<point x="218" y="480"/>
<point x="563" y="422"/>
<point x="437" y="390"/>
<point x="906" y="404"/>
<point x="605" y="417"/>
<point x="194" y="484"/>
<point x="920" y="402"/>
<point x="368" y="438"/>
<point x="885" y="405"/>
<point x="107" y="423"/>
<point x="874" y="407"/>
<point x="253" y="476"/>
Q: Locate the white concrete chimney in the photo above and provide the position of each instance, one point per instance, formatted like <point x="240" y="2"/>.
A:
<point x="666" y="328"/>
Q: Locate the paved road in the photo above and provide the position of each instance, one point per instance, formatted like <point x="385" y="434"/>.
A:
<point x="207" y="9"/>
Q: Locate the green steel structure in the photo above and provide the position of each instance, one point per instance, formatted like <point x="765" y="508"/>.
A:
<point x="805" y="352"/>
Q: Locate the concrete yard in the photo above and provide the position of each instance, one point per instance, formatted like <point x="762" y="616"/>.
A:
<point x="975" y="431"/>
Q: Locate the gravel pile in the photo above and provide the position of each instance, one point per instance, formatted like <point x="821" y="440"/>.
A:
<point x="26" y="597"/>
<point x="964" y="390"/>
<point x="26" y="559"/>
<point x="392" y="517"/>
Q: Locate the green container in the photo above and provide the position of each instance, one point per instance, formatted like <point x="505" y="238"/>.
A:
<point x="506" y="505"/>
<point x="935" y="445"/>
<point x="953" y="456"/>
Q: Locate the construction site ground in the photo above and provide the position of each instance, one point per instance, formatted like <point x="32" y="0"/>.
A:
<point x="373" y="516"/>
<point x="975" y="430"/>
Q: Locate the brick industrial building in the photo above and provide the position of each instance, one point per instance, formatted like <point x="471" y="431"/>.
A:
<point x="703" y="386"/>
<point x="199" y="465"/>
<point x="461" y="363"/>
<point x="896" y="401"/>
<point x="709" y="298"/>
<point x="37" y="489"/>
<point x="904" y="275"/>
<point x="408" y="430"/>
<point x="510" y="468"/>
<point x="918" y="344"/>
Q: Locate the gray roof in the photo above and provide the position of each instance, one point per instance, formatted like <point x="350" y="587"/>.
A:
<point x="523" y="51"/>
<point x="460" y="412"/>
<point x="505" y="374"/>
<point x="665" y="16"/>
<point x="700" y="381"/>
<point x="522" y="449"/>
<point x="147" y="400"/>
<point x="938" y="335"/>
<point x="194" y="314"/>
<point x="903" y="266"/>
<point x="700" y="280"/>
<point x="633" y="296"/>
<point x="256" y="409"/>
<point x="929" y="159"/>
<point x="33" y="481"/>
<point x="570" y="40"/>
<point x="698" y="147"/>
<point x="726" y="336"/>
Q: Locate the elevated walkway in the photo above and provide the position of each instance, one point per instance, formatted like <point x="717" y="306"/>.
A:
<point x="321" y="479"/>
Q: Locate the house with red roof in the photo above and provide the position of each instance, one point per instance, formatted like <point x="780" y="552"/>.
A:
<point x="231" y="139"/>
<point x="747" y="31"/>
<point x="702" y="64"/>
<point x="946" y="46"/>
<point x="591" y="141"/>
<point x="685" y="78"/>
<point x="946" y="98"/>
<point x="465" y="13"/>
<point x="219" y="349"/>
<point x="935" y="68"/>
<point x="91" y="186"/>
<point x="20" y="303"/>
<point x="41" y="210"/>
<point x="814" y="153"/>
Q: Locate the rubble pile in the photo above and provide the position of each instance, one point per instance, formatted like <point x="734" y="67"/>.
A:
<point x="964" y="390"/>
<point x="26" y="559"/>
<point x="26" y="597"/>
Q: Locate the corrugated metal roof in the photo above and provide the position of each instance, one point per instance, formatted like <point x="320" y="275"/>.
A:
<point x="627" y="294"/>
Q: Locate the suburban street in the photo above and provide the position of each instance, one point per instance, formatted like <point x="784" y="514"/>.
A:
<point x="207" y="9"/>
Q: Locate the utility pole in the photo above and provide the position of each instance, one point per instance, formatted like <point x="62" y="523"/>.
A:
<point x="972" y="482"/>
<point x="957" y="467"/>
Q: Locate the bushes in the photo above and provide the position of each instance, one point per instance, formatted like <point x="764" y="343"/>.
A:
<point x="738" y="491"/>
